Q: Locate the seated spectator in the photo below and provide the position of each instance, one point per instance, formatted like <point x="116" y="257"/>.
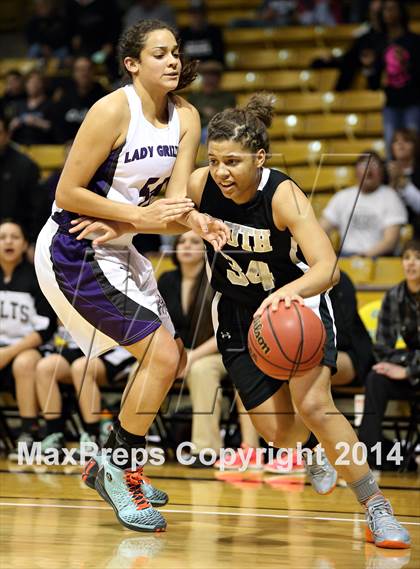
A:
<point x="19" y="177"/>
<point x="46" y="32"/>
<point x="400" y="64"/>
<point x="319" y="12"/>
<point x="188" y="297"/>
<point x="368" y="15"/>
<point x="210" y="99"/>
<point x="355" y="356"/>
<point x="94" y="28"/>
<point x="70" y="366"/>
<point x="279" y="12"/>
<point x="272" y="13"/>
<point x="397" y="373"/>
<point x="149" y="10"/>
<point x="32" y="122"/>
<point x="368" y="216"/>
<point x="404" y="173"/>
<point x="14" y="93"/>
<point x="26" y="322"/>
<point x="201" y="40"/>
<point x="74" y="100"/>
<point x="362" y="60"/>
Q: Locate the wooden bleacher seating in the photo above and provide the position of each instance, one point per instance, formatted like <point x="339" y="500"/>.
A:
<point x="342" y="151"/>
<point x="326" y="178"/>
<point x="290" y="58"/>
<point x="323" y="126"/>
<point x="49" y="157"/>
<point x="286" y="80"/>
<point x="388" y="271"/>
<point x="218" y="17"/>
<point x="294" y="153"/>
<point x="359" y="269"/>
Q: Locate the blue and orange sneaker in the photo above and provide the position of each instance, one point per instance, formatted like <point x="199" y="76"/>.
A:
<point x="383" y="529"/>
<point x="122" y="489"/>
<point x="156" y="497"/>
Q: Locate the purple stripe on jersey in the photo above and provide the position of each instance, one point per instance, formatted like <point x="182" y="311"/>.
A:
<point x="101" y="181"/>
<point x="100" y="184"/>
<point x="85" y="286"/>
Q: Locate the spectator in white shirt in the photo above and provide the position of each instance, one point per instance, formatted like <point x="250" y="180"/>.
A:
<point x="368" y="216"/>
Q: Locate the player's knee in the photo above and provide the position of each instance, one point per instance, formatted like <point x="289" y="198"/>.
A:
<point x="24" y="364"/>
<point x="168" y="359"/>
<point x="276" y="435"/>
<point x="79" y="369"/>
<point x="199" y="368"/>
<point x="314" y="411"/>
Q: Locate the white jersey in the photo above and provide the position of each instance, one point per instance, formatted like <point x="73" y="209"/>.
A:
<point x="107" y="295"/>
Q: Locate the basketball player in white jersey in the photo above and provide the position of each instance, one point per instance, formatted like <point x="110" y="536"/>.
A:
<point x="134" y="143"/>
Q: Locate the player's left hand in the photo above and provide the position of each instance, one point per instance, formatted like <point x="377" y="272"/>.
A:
<point x="285" y="295"/>
<point x="209" y="228"/>
<point x="393" y="371"/>
<point x="107" y="230"/>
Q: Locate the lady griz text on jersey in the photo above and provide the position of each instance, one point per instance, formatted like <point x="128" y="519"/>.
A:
<point x="163" y="150"/>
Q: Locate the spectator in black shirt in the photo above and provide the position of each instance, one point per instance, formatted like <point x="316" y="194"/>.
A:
<point x="32" y="122"/>
<point x="14" y="93"/>
<point x="75" y="99"/>
<point x="364" y="56"/>
<point x="19" y="177"/>
<point x="355" y="355"/>
<point x="397" y="373"/>
<point x="46" y="32"/>
<point x="201" y="40"/>
<point x="94" y="27"/>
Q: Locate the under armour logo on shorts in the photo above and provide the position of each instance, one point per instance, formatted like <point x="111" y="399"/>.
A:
<point x="225" y="335"/>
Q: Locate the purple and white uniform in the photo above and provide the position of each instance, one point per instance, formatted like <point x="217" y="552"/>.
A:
<point x="107" y="295"/>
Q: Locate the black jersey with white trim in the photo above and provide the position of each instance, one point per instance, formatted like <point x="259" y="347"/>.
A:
<point x="258" y="258"/>
<point x="23" y="308"/>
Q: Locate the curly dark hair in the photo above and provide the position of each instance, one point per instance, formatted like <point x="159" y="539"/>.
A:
<point x="247" y="126"/>
<point x="134" y="39"/>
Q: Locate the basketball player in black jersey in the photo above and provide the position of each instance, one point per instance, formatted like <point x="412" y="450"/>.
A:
<point x="277" y="252"/>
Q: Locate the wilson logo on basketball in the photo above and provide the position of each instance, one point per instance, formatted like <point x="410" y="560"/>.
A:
<point x="259" y="337"/>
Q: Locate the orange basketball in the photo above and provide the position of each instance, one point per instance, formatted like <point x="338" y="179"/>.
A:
<point x="288" y="342"/>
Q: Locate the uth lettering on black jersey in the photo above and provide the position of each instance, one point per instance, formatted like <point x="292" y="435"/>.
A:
<point x="258" y="258"/>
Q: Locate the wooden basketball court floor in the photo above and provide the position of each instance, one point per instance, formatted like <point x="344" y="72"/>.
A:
<point x="50" y="520"/>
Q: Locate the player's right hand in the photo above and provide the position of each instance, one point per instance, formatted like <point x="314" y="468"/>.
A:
<point x="162" y="212"/>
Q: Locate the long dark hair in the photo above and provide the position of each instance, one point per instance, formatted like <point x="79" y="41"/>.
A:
<point x="199" y="303"/>
<point x="134" y="39"/>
